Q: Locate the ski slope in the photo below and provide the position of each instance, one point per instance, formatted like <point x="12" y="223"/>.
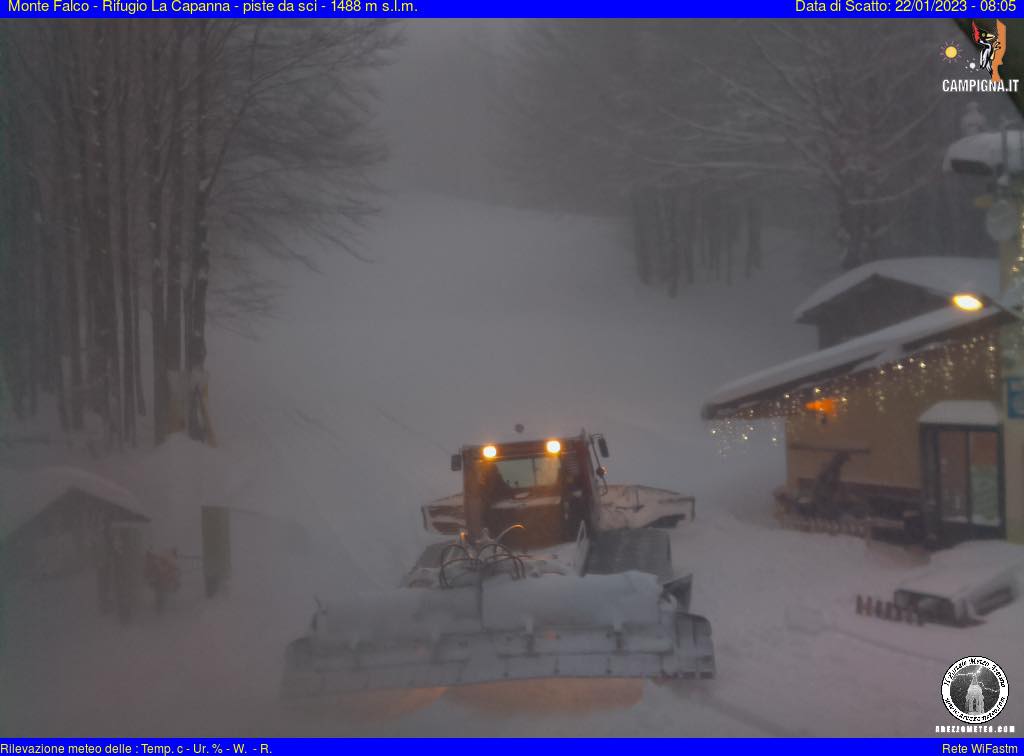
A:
<point x="339" y="419"/>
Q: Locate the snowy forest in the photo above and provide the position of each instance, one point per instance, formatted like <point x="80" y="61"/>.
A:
<point x="137" y="150"/>
<point x="705" y="141"/>
<point x="155" y="152"/>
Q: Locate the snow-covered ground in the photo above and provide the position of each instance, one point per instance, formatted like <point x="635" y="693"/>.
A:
<point x="339" y="420"/>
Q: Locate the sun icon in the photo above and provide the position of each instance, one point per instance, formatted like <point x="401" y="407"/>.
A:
<point x="951" y="52"/>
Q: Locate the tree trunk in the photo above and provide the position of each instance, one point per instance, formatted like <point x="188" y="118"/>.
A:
<point x="175" y="250"/>
<point x="753" y="237"/>
<point x="691" y="240"/>
<point x="154" y="191"/>
<point x="72" y="324"/>
<point x="641" y="242"/>
<point x="124" y="243"/>
<point x="140" y="396"/>
<point x="200" y="267"/>
<point x="680" y="238"/>
<point x="100" y="242"/>
<point x="77" y="83"/>
<point x="52" y="320"/>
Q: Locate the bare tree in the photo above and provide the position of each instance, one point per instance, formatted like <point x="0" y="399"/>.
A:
<point x="840" y="106"/>
<point x="144" y="155"/>
<point x="667" y="121"/>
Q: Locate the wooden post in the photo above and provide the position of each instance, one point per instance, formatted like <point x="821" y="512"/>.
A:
<point x="216" y="527"/>
<point x="127" y="569"/>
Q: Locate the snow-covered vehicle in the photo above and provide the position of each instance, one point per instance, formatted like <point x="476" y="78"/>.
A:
<point x="961" y="585"/>
<point x="550" y="574"/>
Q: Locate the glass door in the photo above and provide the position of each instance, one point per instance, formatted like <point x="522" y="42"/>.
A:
<point x="953" y="489"/>
<point x="983" y="455"/>
<point x="964" y="481"/>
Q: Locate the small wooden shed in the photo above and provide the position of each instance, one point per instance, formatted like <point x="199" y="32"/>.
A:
<point x="57" y="521"/>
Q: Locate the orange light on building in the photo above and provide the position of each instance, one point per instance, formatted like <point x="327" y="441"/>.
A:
<point x="825" y="406"/>
<point x="553" y="446"/>
<point x="490" y="451"/>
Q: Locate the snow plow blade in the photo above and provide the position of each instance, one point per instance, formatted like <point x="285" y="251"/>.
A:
<point x="598" y="626"/>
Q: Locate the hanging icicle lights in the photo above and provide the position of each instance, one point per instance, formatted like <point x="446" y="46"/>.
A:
<point x="934" y="371"/>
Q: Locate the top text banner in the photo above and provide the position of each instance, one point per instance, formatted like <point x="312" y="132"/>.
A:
<point x="807" y="9"/>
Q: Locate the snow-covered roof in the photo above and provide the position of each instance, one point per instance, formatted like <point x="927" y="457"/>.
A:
<point x="977" y="151"/>
<point x="942" y="275"/>
<point x="26" y="493"/>
<point x="967" y="568"/>
<point x="863" y="352"/>
<point x="961" y="412"/>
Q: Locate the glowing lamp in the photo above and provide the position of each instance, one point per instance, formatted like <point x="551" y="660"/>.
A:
<point x="490" y="451"/>
<point x="967" y="302"/>
<point x="553" y="446"/>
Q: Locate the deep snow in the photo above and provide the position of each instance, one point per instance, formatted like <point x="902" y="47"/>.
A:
<point x="336" y="425"/>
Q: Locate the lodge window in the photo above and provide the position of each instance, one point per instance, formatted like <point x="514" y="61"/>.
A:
<point x="964" y="480"/>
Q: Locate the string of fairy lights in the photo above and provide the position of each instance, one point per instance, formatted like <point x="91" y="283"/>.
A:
<point x="935" y="370"/>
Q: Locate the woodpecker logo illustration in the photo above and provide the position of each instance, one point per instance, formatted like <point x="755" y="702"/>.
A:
<point x="991" y="46"/>
<point x="985" y="72"/>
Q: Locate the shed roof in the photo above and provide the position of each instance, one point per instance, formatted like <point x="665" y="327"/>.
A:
<point x="941" y="275"/>
<point x="26" y="493"/>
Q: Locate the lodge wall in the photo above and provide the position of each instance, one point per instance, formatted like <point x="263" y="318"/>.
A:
<point x="878" y="423"/>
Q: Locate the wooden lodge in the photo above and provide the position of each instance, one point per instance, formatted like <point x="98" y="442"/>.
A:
<point x="895" y="422"/>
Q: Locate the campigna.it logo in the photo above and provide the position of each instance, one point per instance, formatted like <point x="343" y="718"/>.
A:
<point x="990" y="41"/>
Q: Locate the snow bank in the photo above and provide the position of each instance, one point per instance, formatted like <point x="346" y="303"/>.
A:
<point x="568" y="601"/>
<point x="400" y="614"/>
<point x="969" y="569"/>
